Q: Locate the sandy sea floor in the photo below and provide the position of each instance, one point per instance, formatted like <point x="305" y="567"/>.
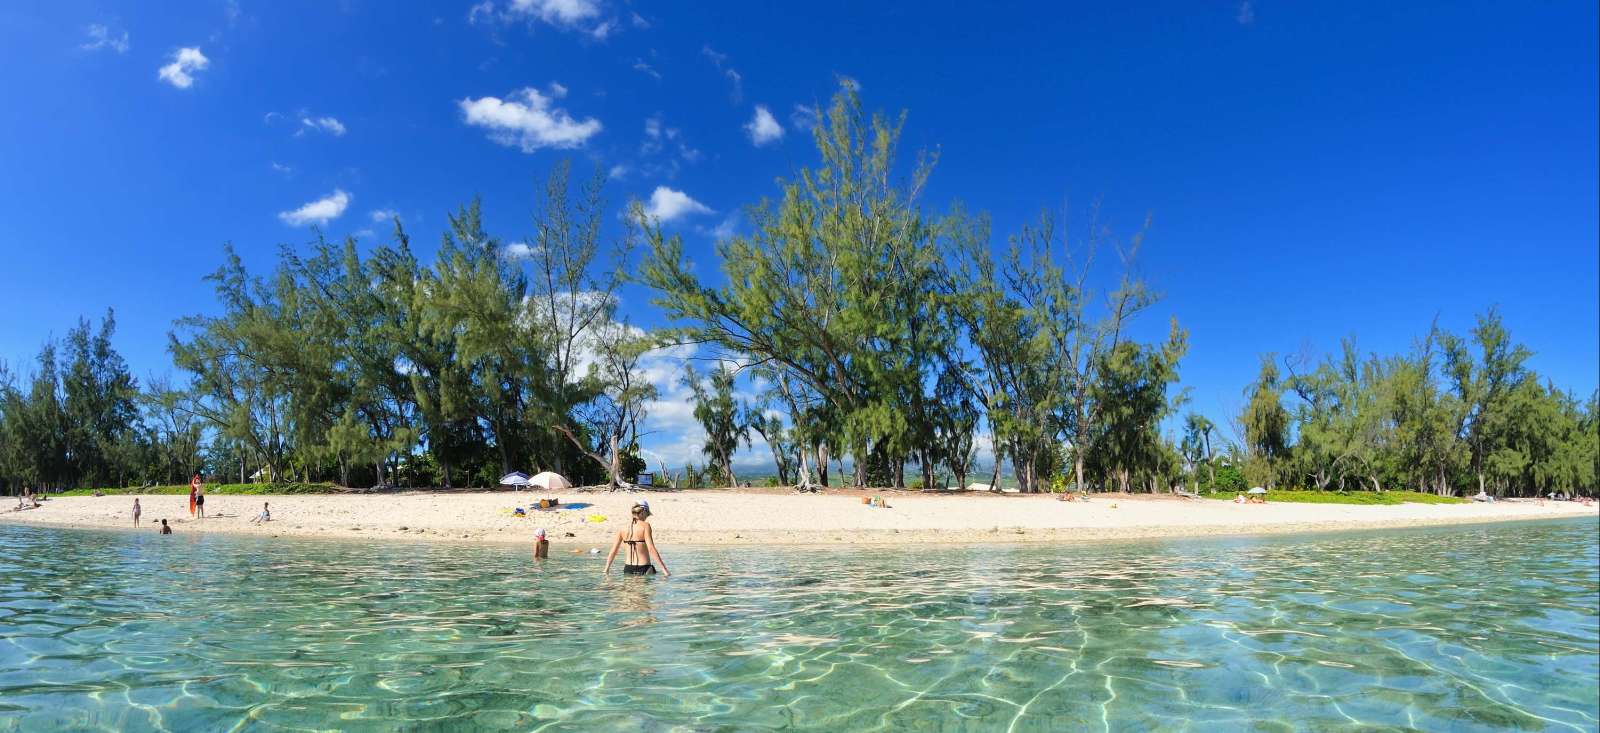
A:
<point x="724" y="517"/>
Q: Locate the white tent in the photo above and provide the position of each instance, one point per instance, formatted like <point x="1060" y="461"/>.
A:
<point x="551" y="481"/>
<point x="1256" y="490"/>
<point x="515" y="478"/>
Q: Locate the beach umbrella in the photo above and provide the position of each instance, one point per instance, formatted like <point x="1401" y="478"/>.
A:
<point x="550" y="480"/>
<point x="1256" y="490"/>
<point x="515" y="478"/>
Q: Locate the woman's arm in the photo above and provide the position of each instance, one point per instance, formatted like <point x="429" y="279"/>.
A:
<point x="650" y="544"/>
<point x="615" y="543"/>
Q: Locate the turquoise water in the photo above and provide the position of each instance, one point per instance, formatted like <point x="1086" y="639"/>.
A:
<point x="1460" y="629"/>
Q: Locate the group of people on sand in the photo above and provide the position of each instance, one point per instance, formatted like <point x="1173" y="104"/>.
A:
<point x="197" y="507"/>
<point x="27" y="499"/>
<point x="642" y="557"/>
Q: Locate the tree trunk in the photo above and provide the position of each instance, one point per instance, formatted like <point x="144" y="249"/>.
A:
<point x="615" y="467"/>
<point x="822" y="463"/>
<point x="608" y="464"/>
<point x="804" y="482"/>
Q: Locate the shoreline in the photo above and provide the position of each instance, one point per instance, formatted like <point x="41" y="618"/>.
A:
<point x="738" y="518"/>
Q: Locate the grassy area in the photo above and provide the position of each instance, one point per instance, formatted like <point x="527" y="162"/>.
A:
<point x="1387" y="498"/>
<point x="244" y="489"/>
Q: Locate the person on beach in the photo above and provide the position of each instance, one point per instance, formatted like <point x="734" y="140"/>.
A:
<point x="541" y="546"/>
<point x="200" y="497"/>
<point x="194" y="486"/>
<point x="164" y="528"/>
<point x="641" y="542"/>
<point x="136" y="512"/>
<point x="264" y="516"/>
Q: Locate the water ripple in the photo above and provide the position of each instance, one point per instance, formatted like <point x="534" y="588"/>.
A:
<point x="1442" y="629"/>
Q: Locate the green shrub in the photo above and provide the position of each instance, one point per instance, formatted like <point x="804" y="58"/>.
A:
<point x="1386" y="498"/>
<point x="240" y="489"/>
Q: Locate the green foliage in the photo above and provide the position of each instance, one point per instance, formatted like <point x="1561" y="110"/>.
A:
<point x="873" y="330"/>
<point x="229" y="489"/>
<point x="1266" y="427"/>
<point x="722" y="416"/>
<point x="1381" y="498"/>
<point x="1229" y="479"/>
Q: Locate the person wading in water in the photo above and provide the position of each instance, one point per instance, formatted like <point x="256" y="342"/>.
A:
<point x="641" y="544"/>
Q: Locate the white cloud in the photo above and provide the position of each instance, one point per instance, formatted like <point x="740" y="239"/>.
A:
<point x="558" y="12"/>
<point x="763" y="128"/>
<point x="520" y="251"/>
<point x="711" y="53"/>
<point x="640" y="66"/>
<point x="102" y="37"/>
<point x="576" y="15"/>
<point x="558" y="90"/>
<point x="655" y="135"/>
<point x="318" y="212"/>
<point x="734" y="77"/>
<point x="382" y="216"/>
<point x="281" y="168"/>
<point x="185" y="62"/>
<point x="528" y="121"/>
<point x="726" y="229"/>
<point x="804" y="117"/>
<point x="1246" y="14"/>
<point x="481" y="13"/>
<point x="329" y="125"/>
<point x="617" y="172"/>
<point x="667" y="204"/>
<point x="639" y="22"/>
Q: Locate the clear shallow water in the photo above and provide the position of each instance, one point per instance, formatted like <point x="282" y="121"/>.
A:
<point x="1463" y="629"/>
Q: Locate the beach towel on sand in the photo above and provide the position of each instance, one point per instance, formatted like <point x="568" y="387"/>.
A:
<point x="595" y="518"/>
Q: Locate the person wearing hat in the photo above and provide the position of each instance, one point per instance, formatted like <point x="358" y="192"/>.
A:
<point x="642" y="557"/>
<point x="541" y="546"/>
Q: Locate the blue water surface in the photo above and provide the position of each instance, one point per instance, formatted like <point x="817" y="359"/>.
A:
<point x="1480" y="628"/>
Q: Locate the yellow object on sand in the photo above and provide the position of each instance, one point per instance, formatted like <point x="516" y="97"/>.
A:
<point x="596" y="518"/>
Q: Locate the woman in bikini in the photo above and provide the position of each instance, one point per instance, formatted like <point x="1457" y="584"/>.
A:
<point x="641" y="544"/>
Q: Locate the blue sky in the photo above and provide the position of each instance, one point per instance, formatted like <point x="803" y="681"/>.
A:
<point x="1312" y="170"/>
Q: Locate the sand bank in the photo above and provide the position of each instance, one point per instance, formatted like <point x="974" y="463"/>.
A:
<point x="764" y="517"/>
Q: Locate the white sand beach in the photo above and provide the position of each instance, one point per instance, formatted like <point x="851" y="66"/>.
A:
<point x="729" y="517"/>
